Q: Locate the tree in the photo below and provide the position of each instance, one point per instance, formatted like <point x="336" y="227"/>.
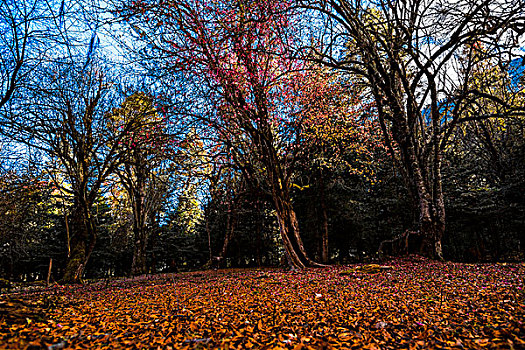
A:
<point x="409" y="56"/>
<point x="22" y="30"/>
<point x="225" y="190"/>
<point x="67" y="122"/>
<point x="485" y="164"/>
<point x="193" y="167"/>
<point x="142" y="166"/>
<point x="25" y="206"/>
<point x="339" y="135"/>
<point x="236" y="53"/>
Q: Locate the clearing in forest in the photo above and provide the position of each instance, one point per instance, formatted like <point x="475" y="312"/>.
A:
<point x="413" y="304"/>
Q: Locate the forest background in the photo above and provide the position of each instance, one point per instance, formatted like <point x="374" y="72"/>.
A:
<point x="158" y="136"/>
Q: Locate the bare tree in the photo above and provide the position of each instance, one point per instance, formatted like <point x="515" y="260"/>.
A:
<point x="25" y="33"/>
<point x="66" y="118"/>
<point x="417" y="58"/>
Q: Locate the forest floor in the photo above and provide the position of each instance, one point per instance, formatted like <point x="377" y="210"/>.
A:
<point x="413" y="305"/>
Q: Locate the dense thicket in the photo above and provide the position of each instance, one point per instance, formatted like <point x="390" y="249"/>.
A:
<point x="223" y="138"/>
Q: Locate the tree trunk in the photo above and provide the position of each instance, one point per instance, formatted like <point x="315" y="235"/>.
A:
<point x="431" y="212"/>
<point x="279" y="185"/>
<point x="431" y="229"/>
<point x="208" y="233"/>
<point x="258" y="233"/>
<point x="153" y="241"/>
<point x="324" y="216"/>
<point x="230" y="228"/>
<point x="289" y="229"/>
<point x="140" y="216"/>
<point x="419" y="153"/>
<point x="138" y="265"/>
<point x="83" y="238"/>
<point x="422" y="175"/>
<point x="288" y="226"/>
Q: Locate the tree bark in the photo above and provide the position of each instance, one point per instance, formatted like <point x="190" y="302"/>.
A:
<point x="419" y="156"/>
<point x="138" y="264"/>
<point x="140" y="233"/>
<point x="49" y="271"/>
<point x="208" y="233"/>
<point x="431" y="228"/>
<point x="258" y="233"/>
<point x="288" y="226"/>
<point x="289" y="230"/>
<point x="324" y="217"/>
<point x="135" y="184"/>
<point x="83" y="238"/>
<point x="424" y="181"/>
<point x="230" y="229"/>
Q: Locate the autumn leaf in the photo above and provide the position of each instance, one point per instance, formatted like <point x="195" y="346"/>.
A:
<point x="413" y="304"/>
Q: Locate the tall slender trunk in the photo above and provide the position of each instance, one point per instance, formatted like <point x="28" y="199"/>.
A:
<point x="230" y="228"/>
<point x="140" y="217"/>
<point x="258" y="233"/>
<point x="83" y="238"/>
<point x="140" y="234"/>
<point x="152" y="268"/>
<point x="208" y="233"/>
<point x="324" y="218"/>
<point x="287" y="225"/>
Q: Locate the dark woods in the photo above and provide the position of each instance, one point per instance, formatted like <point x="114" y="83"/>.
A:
<point x="178" y="135"/>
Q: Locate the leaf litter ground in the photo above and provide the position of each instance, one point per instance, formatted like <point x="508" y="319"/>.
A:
<point x="414" y="305"/>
